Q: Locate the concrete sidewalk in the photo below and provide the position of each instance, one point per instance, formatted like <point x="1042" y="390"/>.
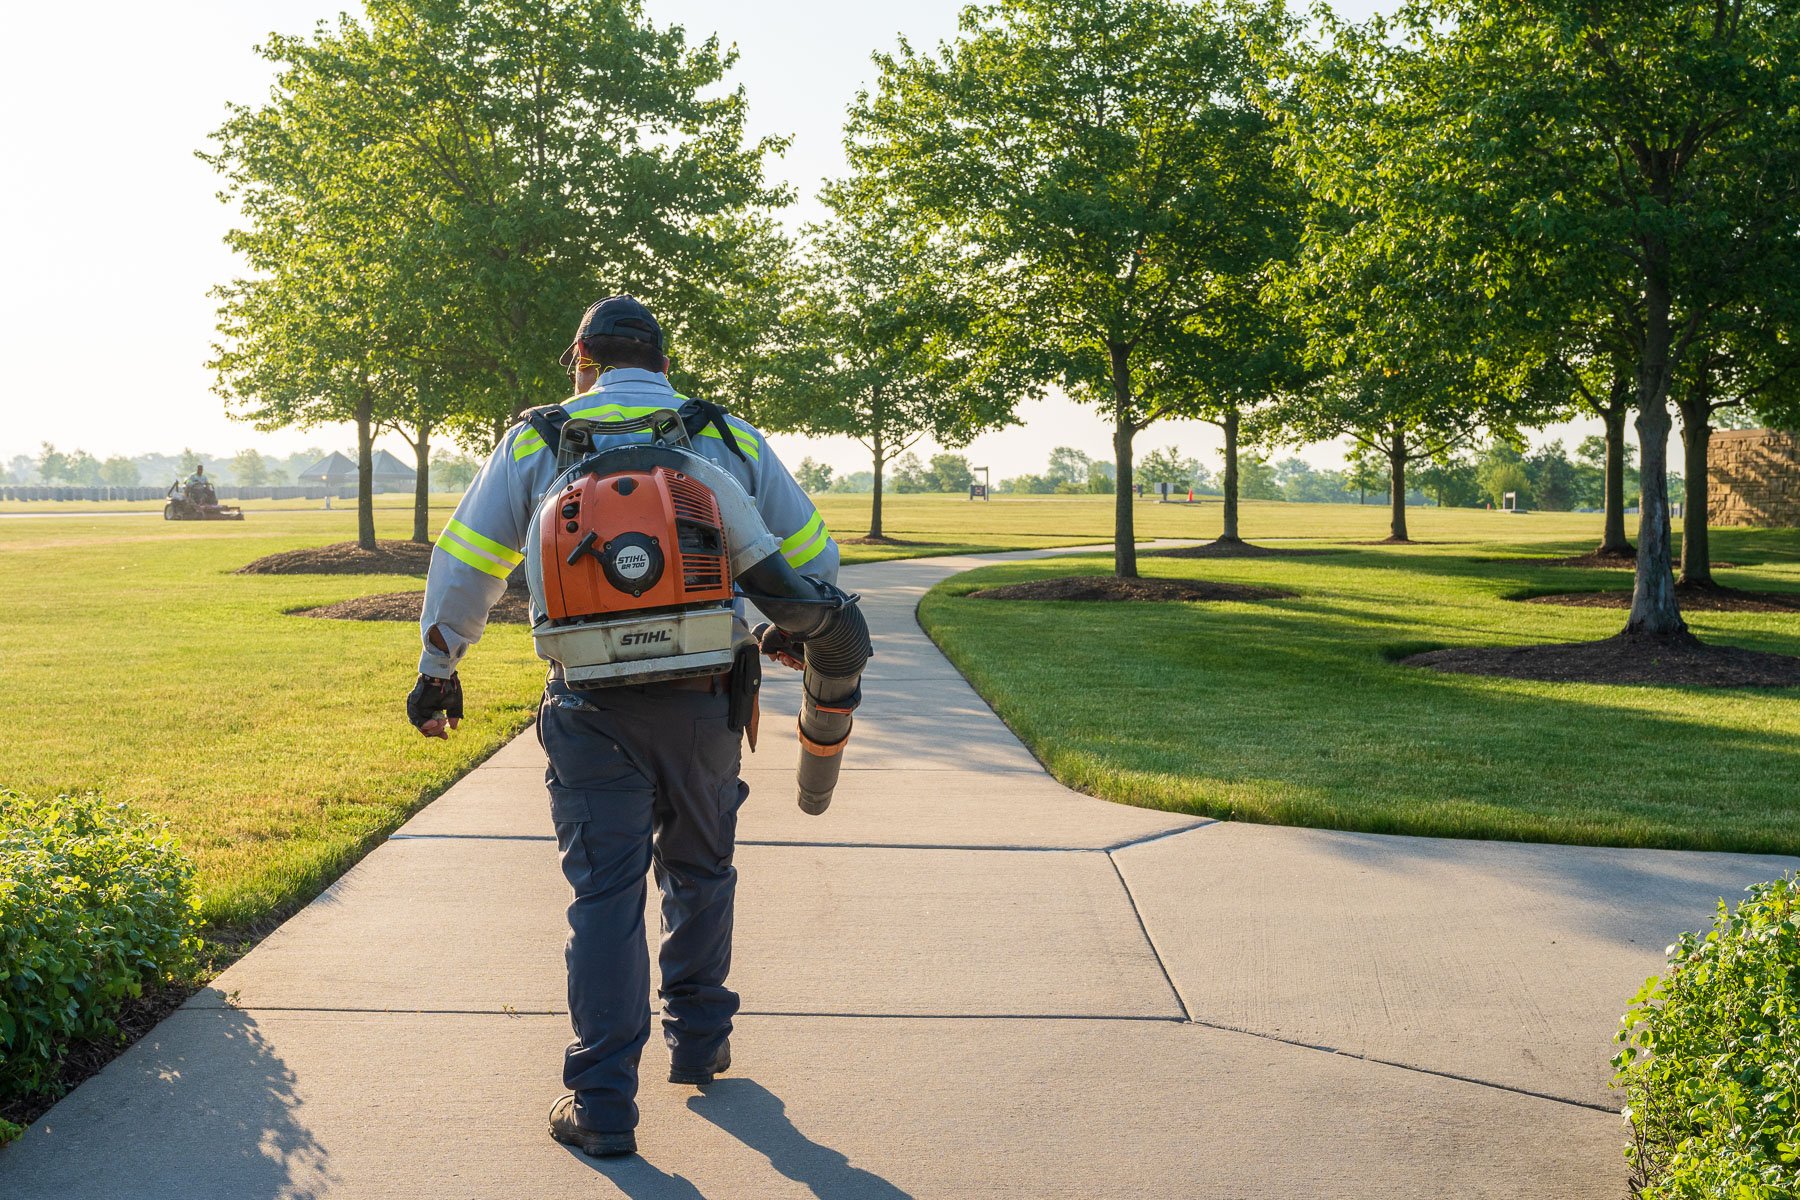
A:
<point x="963" y="980"/>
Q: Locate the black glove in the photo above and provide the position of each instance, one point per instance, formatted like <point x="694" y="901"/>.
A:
<point x="780" y="645"/>
<point x="432" y="698"/>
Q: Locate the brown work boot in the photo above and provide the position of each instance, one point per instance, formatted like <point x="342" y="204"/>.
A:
<point x="703" y="1075"/>
<point x="591" y="1142"/>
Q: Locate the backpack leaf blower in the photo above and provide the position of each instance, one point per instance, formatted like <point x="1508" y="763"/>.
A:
<point x="634" y="558"/>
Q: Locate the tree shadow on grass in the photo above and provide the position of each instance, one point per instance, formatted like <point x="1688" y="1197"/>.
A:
<point x="201" y="1108"/>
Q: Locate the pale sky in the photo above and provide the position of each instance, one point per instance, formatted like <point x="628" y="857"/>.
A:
<point x="115" y="233"/>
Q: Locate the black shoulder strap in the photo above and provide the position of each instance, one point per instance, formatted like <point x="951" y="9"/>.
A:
<point x="698" y="414"/>
<point x="547" y="422"/>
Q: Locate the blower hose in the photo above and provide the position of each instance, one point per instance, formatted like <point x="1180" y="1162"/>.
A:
<point x="837" y="648"/>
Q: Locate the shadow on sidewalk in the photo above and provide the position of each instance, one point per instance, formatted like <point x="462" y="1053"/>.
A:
<point x="755" y="1116"/>
<point x="203" y="1107"/>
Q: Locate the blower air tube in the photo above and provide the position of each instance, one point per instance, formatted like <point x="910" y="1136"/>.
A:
<point x="837" y="644"/>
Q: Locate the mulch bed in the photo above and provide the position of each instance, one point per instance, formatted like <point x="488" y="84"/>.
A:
<point x="1682" y="660"/>
<point x="1223" y="548"/>
<point x="1111" y="587"/>
<point x="1692" y="599"/>
<point x="885" y="541"/>
<point x="346" y="558"/>
<point x="1593" y="558"/>
<point x="1393" y="541"/>
<point x="514" y="607"/>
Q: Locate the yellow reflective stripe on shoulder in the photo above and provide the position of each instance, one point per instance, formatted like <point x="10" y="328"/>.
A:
<point x="499" y="550"/>
<point x="746" y="438"/>
<point x="802" y="547"/>
<point x="527" y="444"/>
<point x="455" y="549"/>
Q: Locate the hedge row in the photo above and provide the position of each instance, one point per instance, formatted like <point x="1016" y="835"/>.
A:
<point x="1710" y="1062"/>
<point x="95" y="905"/>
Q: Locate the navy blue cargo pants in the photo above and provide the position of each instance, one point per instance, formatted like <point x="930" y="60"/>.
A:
<point x="641" y="777"/>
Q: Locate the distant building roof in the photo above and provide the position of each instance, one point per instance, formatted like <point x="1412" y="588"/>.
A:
<point x="337" y="469"/>
<point x="333" y="468"/>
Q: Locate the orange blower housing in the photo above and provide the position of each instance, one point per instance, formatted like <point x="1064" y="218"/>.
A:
<point x="636" y="579"/>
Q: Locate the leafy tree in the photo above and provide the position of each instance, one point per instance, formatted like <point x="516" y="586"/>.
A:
<point x="1635" y="161"/>
<point x="1168" y="465"/>
<point x="1256" y="478"/>
<point x="431" y="194"/>
<point x="248" y="469"/>
<point x="1747" y="368"/>
<point x="452" y="472"/>
<point x="950" y="473"/>
<point x="556" y="145"/>
<point x="118" y="471"/>
<point x="874" y="345"/>
<point x="909" y="476"/>
<point x="1096" y="168"/>
<point x="1029" y="485"/>
<point x="83" y="469"/>
<point x="855" y="483"/>
<point x="814" y="477"/>
<point x="1552" y="478"/>
<point x="1365" y="471"/>
<point x="53" y="465"/>
<point x="1502" y="470"/>
<point x="1069" y="465"/>
<point x="1450" y="480"/>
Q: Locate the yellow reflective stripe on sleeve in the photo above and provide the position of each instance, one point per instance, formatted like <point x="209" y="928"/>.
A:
<point x="805" y="554"/>
<point x="455" y="549"/>
<point x="804" y="534"/>
<point x="802" y="547"/>
<point x="499" y="550"/>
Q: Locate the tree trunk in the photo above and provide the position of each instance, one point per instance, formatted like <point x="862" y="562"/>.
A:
<point x="1230" y="482"/>
<point x="1396" y="456"/>
<point x="1124" y="531"/>
<point x="1696" y="535"/>
<point x="1654" y="610"/>
<point x="365" y="471"/>
<point x="1613" y="539"/>
<point x="875" y="507"/>
<point x="422" y="485"/>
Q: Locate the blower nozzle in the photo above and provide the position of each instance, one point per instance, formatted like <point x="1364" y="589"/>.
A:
<point x="837" y="648"/>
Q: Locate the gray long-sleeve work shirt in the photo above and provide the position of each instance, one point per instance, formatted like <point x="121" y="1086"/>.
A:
<point x="485" y="539"/>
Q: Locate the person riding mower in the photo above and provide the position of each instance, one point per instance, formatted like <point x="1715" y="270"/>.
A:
<point x="193" y="499"/>
<point x="643" y="520"/>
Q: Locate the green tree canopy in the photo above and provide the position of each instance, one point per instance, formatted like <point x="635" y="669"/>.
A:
<point x="1094" y="168"/>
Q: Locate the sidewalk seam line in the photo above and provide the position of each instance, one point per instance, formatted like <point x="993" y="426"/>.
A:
<point x="1148" y="940"/>
<point x="1167" y="833"/>
<point x="1400" y="1066"/>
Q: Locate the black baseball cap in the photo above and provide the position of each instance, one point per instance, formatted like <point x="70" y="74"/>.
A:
<point x="615" y="316"/>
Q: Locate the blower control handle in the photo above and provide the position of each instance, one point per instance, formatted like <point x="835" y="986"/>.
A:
<point x="584" y="546"/>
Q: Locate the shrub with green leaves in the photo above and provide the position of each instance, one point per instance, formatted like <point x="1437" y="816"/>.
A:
<point x="1710" y="1063"/>
<point x="96" y="904"/>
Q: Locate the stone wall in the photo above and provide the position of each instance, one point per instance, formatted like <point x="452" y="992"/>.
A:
<point x="1755" y="478"/>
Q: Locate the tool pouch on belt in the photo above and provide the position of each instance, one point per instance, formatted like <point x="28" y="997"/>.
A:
<point x="746" y="687"/>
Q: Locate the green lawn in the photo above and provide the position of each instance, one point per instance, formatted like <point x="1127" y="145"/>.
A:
<point x="133" y="661"/>
<point x="1292" y="711"/>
